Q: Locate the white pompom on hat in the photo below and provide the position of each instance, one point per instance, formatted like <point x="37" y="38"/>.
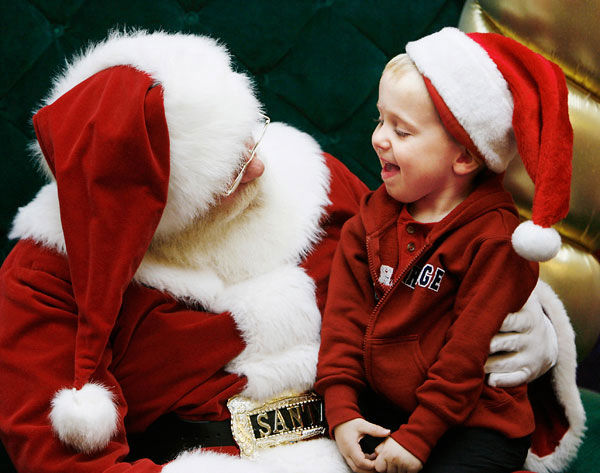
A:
<point x="500" y="99"/>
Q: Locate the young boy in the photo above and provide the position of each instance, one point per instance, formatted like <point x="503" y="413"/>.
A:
<point x="424" y="274"/>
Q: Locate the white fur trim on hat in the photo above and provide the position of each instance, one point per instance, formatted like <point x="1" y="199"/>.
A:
<point x="535" y="243"/>
<point x="211" y="110"/>
<point x="473" y="88"/>
<point x="85" y="419"/>
<point x="40" y="220"/>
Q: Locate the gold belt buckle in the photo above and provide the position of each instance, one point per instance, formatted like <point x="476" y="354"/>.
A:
<point x="288" y="418"/>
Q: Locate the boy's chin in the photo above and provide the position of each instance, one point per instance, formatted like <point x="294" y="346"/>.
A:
<point x="397" y="194"/>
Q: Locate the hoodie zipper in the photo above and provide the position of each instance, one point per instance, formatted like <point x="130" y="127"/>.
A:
<point x="387" y="294"/>
<point x="375" y="312"/>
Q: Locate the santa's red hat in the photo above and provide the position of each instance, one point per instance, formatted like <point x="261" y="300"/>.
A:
<point x="142" y="133"/>
<point x="500" y="100"/>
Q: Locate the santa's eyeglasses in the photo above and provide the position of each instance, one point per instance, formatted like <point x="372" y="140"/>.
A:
<point x="236" y="182"/>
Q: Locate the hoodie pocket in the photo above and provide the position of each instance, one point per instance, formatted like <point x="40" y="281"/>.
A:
<point x="396" y="368"/>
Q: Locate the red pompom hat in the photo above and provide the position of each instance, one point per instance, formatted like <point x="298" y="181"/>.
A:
<point x="141" y="133"/>
<point x="500" y="99"/>
<point x="107" y="145"/>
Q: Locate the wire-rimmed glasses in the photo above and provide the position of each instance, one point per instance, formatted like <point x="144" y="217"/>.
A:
<point x="236" y="182"/>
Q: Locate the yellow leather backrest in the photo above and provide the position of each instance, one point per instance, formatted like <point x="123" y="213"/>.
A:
<point x="568" y="33"/>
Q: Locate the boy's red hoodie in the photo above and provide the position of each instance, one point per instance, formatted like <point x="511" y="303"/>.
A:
<point x="422" y="341"/>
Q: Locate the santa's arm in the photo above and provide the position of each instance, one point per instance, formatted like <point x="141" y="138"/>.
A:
<point x="537" y="345"/>
<point x="38" y="323"/>
<point x="527" y="345"/>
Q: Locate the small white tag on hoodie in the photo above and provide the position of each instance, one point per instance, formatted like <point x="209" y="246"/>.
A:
<point x="385" y="275"/>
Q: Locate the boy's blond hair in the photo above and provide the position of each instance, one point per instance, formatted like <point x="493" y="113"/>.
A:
<point x="400" y="65"/>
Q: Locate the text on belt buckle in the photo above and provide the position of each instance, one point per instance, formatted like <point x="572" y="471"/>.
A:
<point x="285" y="419"/>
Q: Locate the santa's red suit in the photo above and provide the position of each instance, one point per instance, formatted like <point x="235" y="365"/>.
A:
<point x="135" y="292"/>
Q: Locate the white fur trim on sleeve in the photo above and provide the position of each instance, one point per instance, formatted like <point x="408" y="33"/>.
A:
<point x="280" y="322"/>
<point x="563" y="377"/>
<point x="85" y="419"/>
<point x="473" y="89"/>
<point x="269" y="375"/>
<point x="535" y="243"/>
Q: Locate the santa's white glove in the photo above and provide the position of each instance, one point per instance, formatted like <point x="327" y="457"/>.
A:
<point x="525" y="348"/>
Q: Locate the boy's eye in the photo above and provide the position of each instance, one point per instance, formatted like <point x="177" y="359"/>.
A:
<point x="379" y="121"/>
<point x="401" y="134"/>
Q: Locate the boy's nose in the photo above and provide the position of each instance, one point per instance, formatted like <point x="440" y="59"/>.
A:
<point x="379" y="139"/>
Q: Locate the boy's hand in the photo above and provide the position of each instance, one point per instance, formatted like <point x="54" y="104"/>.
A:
<point x="394" y="458"/>
<point x="347" y="436"/>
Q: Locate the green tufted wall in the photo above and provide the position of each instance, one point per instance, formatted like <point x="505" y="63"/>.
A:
<point x="316" y="64"/>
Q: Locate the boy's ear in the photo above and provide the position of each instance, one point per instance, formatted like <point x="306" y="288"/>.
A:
<point x="466" y="163"/>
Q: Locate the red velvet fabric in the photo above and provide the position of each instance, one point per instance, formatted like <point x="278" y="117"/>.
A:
<point x="107" y="144"/>
<point x="551" y="423"/>
<point x="540" y="121"/>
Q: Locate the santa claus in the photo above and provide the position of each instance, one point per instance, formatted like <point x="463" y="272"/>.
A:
<point x="161" y="310"/>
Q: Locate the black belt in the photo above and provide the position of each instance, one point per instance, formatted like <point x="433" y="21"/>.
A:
<point x="285" y="419"/>
<point x="170" y="435"/>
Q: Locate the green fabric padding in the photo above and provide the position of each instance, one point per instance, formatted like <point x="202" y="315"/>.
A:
<point x="339" y="60"/>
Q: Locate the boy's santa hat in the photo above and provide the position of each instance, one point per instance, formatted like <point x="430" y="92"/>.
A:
<point x="500" y="99"/>
<point x="141" y="133"/>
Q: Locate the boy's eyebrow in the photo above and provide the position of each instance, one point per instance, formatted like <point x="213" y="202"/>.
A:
<point x="404" y="121"/>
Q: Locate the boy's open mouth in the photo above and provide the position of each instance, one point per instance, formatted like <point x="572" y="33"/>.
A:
<point x="389" y="170"/>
